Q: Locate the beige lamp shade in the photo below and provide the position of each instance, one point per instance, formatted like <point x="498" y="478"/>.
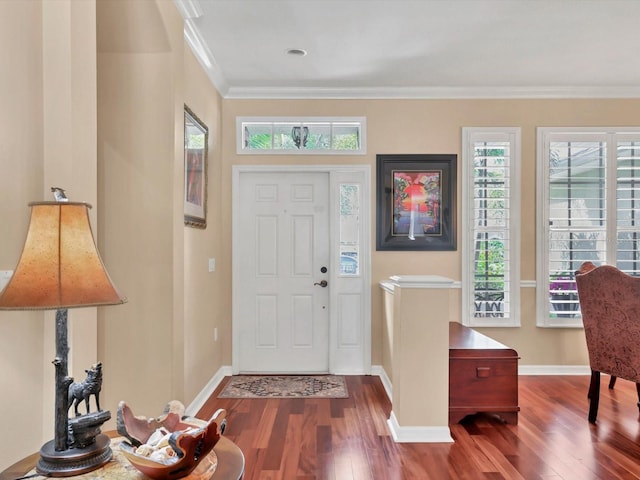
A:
<point x="60" y="266"/>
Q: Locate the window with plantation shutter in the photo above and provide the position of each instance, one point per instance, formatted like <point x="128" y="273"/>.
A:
<point x="491" y="191"/>
<point x="628" y="205"/>
<point x="588" y="210"/>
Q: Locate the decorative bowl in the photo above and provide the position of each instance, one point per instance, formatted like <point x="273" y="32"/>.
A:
<point x="187" y="440"/>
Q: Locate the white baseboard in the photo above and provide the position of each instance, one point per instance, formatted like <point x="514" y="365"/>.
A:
<point x="554" y="370"/>
<point x="379" y="371"/>
<point x="206" y="392"/>
<point x="418" y="434"/>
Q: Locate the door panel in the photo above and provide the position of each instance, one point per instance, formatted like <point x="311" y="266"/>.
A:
<point x="267" y="252"/>
<point x="284" y="243"/>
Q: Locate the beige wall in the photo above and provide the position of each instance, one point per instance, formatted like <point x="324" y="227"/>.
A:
<point x="434" y="126"/>
<point x="49" y="114"/>
<point x="420" y="360"/>
<point x="162" y="340"/>
<point x="21" y="177"/>
<point x="151" y="344"/>
<point x="207" y="295"/>
<point x="136" y="155"/>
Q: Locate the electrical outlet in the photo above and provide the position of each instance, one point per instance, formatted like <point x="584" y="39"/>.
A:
<point x="5" y="276"/>
<point x="212" y="264"/>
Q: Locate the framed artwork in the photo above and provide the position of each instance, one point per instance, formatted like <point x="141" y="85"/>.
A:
<point x="415" y="199"/>
<point x="196" y="139"/>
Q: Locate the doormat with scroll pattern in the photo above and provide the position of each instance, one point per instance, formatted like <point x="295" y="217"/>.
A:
<point x="285" y="386"/>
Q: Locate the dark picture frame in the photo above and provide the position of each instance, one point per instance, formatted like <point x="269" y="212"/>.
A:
<point x="416" y="202"/>
<point x="196" y="141"/>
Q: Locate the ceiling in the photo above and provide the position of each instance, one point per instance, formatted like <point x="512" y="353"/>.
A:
<point x="417" y="48"/>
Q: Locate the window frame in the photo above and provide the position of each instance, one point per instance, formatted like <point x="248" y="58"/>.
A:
<point x="611" y="136"/>
<point x="471" y="135"/>
<point x="241" y="121"/>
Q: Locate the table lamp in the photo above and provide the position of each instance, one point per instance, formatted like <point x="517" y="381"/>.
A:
<point x="60" y="268"/>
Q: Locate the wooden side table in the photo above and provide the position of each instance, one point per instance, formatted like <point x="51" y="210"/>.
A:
<point x="230" y="463"/>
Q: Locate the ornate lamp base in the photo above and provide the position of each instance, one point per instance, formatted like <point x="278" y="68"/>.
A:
<point x="74" y="461"/>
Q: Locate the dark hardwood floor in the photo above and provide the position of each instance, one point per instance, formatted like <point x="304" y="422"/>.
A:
<point x="345" y="439"/>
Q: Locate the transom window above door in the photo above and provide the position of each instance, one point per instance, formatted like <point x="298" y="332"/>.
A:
<point x="301" y="135"/>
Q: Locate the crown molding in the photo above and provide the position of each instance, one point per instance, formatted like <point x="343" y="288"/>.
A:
<point x="190" y="9"/>
<point x="506" y="92"/>
<point x="418" y="434"/>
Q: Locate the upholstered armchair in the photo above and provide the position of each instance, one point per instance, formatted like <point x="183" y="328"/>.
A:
<point x="610" y="306"/>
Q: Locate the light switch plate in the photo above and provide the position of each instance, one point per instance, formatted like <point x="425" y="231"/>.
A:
<point x="212" y="264"/>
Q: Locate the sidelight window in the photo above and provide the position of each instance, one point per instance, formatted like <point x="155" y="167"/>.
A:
<point x="491" y="191"/>
<point x="349" y="229"/>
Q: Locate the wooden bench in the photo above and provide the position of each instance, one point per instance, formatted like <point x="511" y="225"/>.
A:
<point x="483" y="376"/>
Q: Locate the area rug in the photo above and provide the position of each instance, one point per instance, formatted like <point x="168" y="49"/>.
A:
<point x="285" y="386"/>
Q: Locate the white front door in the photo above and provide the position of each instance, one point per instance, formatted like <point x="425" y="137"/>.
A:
<point x="283" y="241"/>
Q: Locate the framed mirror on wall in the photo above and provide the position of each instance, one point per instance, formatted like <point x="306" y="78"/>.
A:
<point x="196" y="139"/>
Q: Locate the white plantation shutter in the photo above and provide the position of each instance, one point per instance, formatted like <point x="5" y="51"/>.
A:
<point x="588" y="209"/>
<point x="491" y="190"/>
<point x="628" y="206"/>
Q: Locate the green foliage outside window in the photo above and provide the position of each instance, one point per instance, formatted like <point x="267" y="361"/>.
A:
<point x="263" y="141"/>
<point x="260" y="141"/>
<point x="490" y="258"/>
<point x="346" y="142"/>
<point x="490" y="266"/>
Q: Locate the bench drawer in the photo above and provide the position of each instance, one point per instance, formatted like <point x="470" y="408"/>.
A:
<point x="483" y="382"/>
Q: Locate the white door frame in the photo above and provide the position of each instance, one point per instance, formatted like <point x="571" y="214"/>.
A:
<point x="340" y="359"/>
